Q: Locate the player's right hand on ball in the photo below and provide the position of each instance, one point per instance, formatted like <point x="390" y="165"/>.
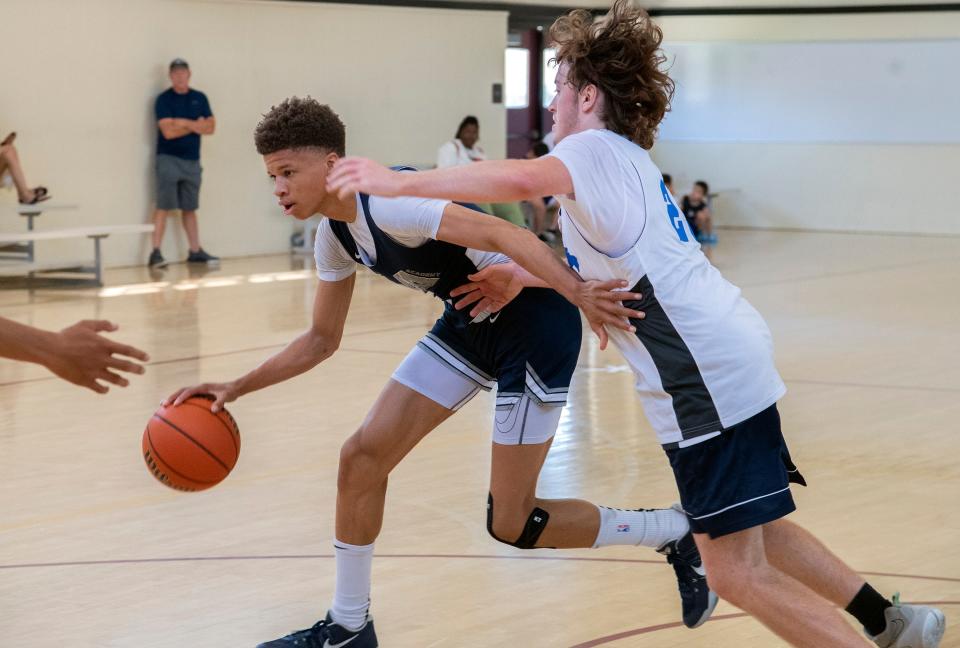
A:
<point x="222" y="393"/>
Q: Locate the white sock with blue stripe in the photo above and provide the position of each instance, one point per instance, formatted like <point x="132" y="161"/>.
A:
<point x="646" y="528"/>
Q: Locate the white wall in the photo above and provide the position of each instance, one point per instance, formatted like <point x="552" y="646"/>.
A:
<point x="829" y="186"/>
<point x="81" y="77"/>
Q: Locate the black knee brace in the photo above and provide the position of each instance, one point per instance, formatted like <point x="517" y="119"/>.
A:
<point x="535" y="525"/>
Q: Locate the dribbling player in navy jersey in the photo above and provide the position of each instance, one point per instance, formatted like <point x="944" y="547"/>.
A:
<point x="434" y="246"/>
<point x="702" y="355"/>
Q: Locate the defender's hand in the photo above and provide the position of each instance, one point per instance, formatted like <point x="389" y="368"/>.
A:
<point x="602" y="305"/>
<point x="351" y="175"/>
<point x="493" y="287"/>
<point x="80" y="355"/>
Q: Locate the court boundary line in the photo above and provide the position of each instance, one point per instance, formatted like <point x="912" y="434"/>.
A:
<point x="328" y="556"/>
<point x="626" y="634"/>
<point x="591" y="643"/>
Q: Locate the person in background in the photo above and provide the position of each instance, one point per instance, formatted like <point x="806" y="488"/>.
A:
<point x="549" y="140"/>
<point x="696" y="208"/>
<point x="12" y="171"/>
<point x="545" y="210"/>
<point x="463" y="149"/>
<point x="78" y="353"/>
<point x="668" y="181"/>
<point x="183" y="116"/>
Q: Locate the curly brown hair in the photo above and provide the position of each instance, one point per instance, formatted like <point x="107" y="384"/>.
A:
<point x="621" y="55"/>
<point x="300" y="123"/>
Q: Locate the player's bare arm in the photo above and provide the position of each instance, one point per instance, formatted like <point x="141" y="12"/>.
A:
<point x="78" y="353"/>
<point x="491" y="181"/>
<point x="306" y="351"/>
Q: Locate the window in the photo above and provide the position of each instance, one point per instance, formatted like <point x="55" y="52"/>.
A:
<point x="548" y="75"/>
<point x="517" y="75"/>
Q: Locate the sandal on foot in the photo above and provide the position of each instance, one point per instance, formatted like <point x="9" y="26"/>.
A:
<point x="39" y="195"/>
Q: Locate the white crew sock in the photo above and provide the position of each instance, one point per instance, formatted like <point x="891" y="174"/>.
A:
<point x="652" y="528"/>
<point x="351" y="596"/>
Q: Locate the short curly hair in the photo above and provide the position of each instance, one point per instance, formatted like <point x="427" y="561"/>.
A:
<point x="621" y="55"/>
<point x="300" y="123"/>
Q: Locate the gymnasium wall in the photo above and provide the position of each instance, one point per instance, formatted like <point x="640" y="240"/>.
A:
<point x="80" y="79"/>
<point x="882" y="186"/>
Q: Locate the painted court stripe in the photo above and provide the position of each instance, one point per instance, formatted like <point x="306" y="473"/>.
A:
<point x="625" y="561"/>
<point x="654" y="628"/>
<point x="600" y="641"/>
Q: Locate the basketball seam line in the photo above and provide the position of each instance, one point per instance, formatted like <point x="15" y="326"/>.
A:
<point x="153" y="449"/>
<point x="233" y="432"/>
<point x="197" y="443"/>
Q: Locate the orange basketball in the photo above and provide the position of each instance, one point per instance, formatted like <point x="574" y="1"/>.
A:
<point x="190" y="448"/>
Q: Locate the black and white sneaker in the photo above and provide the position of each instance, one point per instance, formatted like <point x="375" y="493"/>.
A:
<point x="696" y="599"/>
<point x="202" y="256"/>
<point x="327" y="634"/>
<point x="156" y="259"/>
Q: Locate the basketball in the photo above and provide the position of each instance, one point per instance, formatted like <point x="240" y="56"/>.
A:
<point x="189" y="448"/>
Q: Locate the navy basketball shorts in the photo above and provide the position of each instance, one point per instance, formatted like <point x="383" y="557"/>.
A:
<point x="528" y="351"/>
<point x="737" y="480"/>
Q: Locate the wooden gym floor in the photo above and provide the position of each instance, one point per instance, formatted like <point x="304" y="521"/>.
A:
<point x="95" y="553"/>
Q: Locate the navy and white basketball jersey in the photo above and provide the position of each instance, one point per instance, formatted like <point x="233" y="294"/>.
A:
<point x="703" y="355"/>
<point x="435" y="266"/>
<point x="396" y="238"/>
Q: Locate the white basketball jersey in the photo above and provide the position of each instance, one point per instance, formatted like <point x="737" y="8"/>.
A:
<point x="703" y="355"/>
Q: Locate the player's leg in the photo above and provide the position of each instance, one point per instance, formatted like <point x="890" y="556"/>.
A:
<point x="731" y="485"/>
<point x="739" y="572"/>
<point x="516" y="516"/>
<point x="568" y="523"/>
<point x="533" y="380"/>
<point x="796" y="552"/>
<point x="399" y="419"/>
<point x="423" y="392"/>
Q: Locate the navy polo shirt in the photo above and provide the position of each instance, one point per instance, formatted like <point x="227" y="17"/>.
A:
<point x="191" y="105"/>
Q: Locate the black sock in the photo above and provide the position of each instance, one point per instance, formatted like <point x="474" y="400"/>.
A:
<point x="867" y="607"/>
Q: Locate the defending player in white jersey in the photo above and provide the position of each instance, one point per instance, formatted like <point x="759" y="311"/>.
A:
<point x="433" y="246"/>
<point x="703" y="356"/>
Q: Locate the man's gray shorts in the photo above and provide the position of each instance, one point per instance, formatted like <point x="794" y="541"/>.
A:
<point x="178" y="183"/>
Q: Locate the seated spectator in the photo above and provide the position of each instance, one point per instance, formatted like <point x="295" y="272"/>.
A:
<point x="668" y="181"/>
<point x="545" y="210"/>
<point x="463" y="149"/>
<point x="11" y="168"/>
<point x="696" y="208"/>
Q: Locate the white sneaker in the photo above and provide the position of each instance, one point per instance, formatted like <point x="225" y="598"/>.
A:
<point x="911" y="626"/>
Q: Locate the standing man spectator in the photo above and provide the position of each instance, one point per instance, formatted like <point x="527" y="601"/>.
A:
<point x="183" y="115"/>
